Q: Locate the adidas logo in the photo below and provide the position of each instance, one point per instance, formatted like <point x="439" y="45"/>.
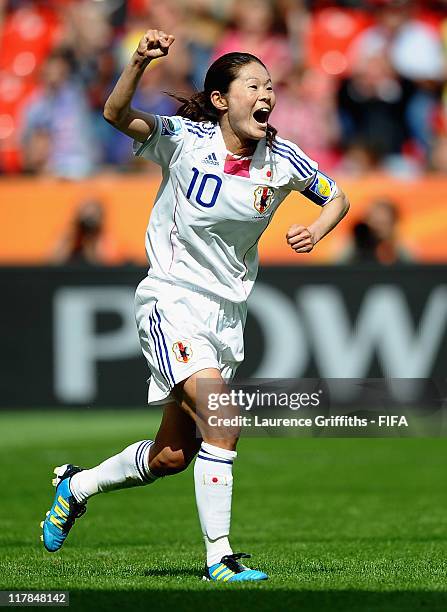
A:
<point x="211" y="159"/>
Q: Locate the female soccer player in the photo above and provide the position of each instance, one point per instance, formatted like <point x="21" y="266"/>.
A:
<point x="225" y="172"/>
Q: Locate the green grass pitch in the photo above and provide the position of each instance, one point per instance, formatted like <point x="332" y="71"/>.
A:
<point x="339" y="524"/>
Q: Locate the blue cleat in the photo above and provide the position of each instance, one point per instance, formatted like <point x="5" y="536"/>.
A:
<point x="230" y="570"/>
<point x="64" y="511"/>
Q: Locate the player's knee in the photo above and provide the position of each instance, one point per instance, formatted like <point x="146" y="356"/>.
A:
<point x="169" y="461"/>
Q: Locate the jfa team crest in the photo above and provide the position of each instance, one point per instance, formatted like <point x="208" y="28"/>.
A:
<point x="182" y="350"/>
<point x="263" y="198"/>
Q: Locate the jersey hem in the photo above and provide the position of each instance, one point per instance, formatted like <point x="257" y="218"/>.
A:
<point x="195" y="289"/>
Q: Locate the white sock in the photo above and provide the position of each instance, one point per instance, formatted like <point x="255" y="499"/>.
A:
<point x="130" y="468"/>
<point x="213" y="480"/>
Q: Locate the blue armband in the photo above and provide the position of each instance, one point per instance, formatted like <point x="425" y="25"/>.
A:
<point x="321" y="190"/>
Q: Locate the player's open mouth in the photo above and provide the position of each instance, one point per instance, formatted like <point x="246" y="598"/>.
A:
<point x="261" y="116"/>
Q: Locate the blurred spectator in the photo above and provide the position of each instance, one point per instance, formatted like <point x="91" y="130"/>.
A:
<point x="415" y="52"/>
<point x="38" y="151"/>
<point x="168" y="16"/>
<point x="375" y="238"/>
<point x="414" y="48"/>
<point x="28" y="33"/>
<point x="85" y="243"/>
<point x="159" y="78"/>
<point x="89" y="35"/>
<point x="59" y="113"/>
<point x="372" y="106"/>
<point x="203" y="25"/>
<point x="306" y="113"/>
<point x="358" y="159"/>
<point x="256" y="27"/>
<point x="363" y="249"/>
<point x="439" y="155"/>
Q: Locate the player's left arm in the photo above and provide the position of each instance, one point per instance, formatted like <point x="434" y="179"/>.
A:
<point x="302" y="239"/>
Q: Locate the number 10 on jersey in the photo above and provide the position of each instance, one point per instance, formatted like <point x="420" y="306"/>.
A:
<point x="214" y="185"/>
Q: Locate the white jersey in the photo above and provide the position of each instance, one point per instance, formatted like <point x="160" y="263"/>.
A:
<point x="211" y="209"/>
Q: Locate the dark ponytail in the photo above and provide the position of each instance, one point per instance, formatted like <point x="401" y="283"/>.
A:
<point x="271" y="135"/>
<point x="197" y="108"/>
<point x="218" y="78"/>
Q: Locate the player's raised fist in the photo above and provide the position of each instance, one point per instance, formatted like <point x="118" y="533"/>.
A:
<point x="300" y="239"/>
<point x="155" y="43"/>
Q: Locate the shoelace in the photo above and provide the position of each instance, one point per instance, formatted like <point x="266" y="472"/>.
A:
<point x="232" y="562"/>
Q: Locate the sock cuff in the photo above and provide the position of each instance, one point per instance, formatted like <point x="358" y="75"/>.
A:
<point x="142" y="461"/>
<point x="216" y="451"/>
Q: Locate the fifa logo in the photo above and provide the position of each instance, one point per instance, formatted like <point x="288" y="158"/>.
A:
<point x="263" y="198"/>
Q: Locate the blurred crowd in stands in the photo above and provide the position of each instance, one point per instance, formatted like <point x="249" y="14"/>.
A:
<point x="361" y="84"/>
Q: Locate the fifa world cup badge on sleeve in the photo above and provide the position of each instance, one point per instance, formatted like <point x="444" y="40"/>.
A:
<point x="170" y="126"/>
<point x="321" y="190"/>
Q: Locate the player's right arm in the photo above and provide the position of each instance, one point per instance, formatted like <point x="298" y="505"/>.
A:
<point x="118" y="110"/>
